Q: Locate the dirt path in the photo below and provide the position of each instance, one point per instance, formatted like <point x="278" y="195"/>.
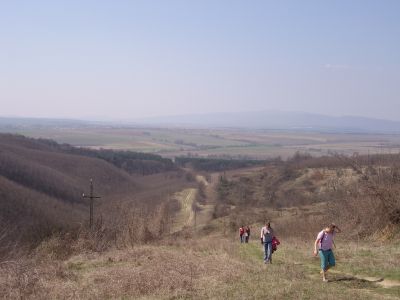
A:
<point x="202" y="179"/>
<point x="205" y="210"/>
<point x="289" y="255"/>
<point x="385" y="283"/>
<point x="337" y="276"/>
<point x="185" y="217"/>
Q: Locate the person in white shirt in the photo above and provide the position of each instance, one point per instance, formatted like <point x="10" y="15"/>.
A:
<point x="267" y="234"/>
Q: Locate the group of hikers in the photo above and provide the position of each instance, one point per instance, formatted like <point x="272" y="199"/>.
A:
<point x="244" y="233"/>
<point x="322" y="246"/>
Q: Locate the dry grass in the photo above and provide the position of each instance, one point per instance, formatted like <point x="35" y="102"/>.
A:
<point x="132" y="258"/>
<point x="178" y="270"/>
<point x="210" y="267"/>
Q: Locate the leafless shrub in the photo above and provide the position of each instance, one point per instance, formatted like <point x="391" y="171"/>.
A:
<point x="190" y="177"/>
<point x="317" y="176"/>
<point x="371" y="205"/>
<point x="221" y="210"/>
<point x="201" y="194"/>
<point x="304" y="227"/>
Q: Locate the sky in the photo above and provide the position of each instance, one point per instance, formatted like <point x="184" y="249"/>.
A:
<point x="123" y="60"/>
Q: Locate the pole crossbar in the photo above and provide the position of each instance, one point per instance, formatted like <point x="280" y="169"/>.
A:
<point x="91" y="196"/>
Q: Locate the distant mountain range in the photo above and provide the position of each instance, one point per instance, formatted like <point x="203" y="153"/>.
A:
<point x="279" y="120"/>
<point x="276" y="120"/>
<point x="20" y="122"/>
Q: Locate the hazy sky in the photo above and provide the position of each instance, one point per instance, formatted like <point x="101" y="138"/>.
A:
<point x="132" y="59"/>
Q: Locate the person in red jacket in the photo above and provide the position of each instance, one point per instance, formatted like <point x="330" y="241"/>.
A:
<point x="241" y="234"/>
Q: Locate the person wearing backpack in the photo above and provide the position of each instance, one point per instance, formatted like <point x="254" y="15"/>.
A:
<point x="267" y="235"/>
<point x="325" y="243"/>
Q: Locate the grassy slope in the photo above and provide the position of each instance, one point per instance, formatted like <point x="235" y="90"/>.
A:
<point x="212" y="267"/>
<point x="41" y="192"/>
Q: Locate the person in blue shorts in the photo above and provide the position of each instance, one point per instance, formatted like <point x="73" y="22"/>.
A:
<point x="324" y="243"/>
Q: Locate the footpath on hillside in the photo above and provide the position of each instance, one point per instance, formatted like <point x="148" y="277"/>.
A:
<point x="298" y="255"/>
<point x="207" y="267"/>
<point x="192" y="213"/>
<point x="185" y="216"/>
<point x="352" y="268"/>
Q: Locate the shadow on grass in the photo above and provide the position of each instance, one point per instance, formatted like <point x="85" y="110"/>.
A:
<point x="354" y="282"/>
<point x="352" y="278"/>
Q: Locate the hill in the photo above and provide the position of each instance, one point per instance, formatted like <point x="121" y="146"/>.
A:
<point x="208" y="262"/>
<point x="164" y="236"/>
<point x="42" y="182"/>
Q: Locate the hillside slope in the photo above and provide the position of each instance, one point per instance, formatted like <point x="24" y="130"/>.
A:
<point x="41" y="187"/>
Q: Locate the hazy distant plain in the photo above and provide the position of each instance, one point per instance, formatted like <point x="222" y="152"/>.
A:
<point x="260" y="144"/>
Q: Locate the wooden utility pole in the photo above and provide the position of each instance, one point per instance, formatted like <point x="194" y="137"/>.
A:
<point x="195" y="216"/>
<point x="91" y="197"/>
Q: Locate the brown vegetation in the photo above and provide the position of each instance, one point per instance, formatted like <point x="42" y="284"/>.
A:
<point x="41" y="187"/>
<point x="360" y="191"/>
<point x="47" y="250"/>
